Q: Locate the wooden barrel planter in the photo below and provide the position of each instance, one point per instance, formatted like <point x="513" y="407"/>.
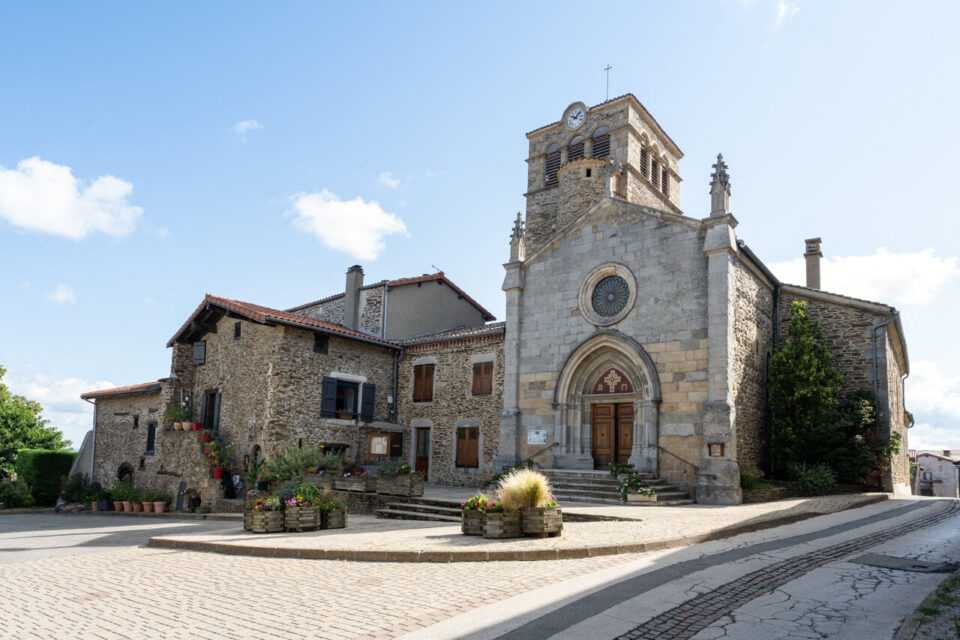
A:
<point x="335" y="519"/>
<point x="471" y="522"/>
<point x="541" y="522"/>
<point x="266" y="521"/>
<point x="502" y="525"/>
<point x="408" y="484"/>
<point x="301" y="518"/>
<point x="356" y="483"/>
<point x="248" y="520"/>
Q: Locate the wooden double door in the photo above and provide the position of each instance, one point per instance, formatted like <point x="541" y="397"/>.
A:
<point x="612" y="433"/>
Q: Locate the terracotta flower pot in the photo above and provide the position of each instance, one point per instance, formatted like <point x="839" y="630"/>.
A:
<point x="218" y="473"/>
<point x="147" y="507"/>
<point x="137" y="507"/>
<point x="127" y="506"/>
<point x="178" y="426"/>
<point x="93" y="506"/>
<point x="117" y="505"/>
<point x="159" y="507"/>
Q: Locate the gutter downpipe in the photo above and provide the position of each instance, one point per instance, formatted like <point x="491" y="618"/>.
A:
<point x="873" y="331"/>
<point x="396" y="372"/>
<point x="93" y="444"/>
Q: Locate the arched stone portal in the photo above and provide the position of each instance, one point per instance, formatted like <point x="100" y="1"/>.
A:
<point x="577" y="391"/>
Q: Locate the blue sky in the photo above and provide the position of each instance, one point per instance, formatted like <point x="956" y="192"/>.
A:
<point x="153" y="153"/>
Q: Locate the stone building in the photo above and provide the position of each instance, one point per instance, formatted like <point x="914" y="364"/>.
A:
<point x="938" y="475"/>
<point x="634" y="333"/>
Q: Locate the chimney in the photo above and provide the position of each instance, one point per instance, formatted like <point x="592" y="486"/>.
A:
<point x="813" y="255"/>
<point x="351" y="297"/>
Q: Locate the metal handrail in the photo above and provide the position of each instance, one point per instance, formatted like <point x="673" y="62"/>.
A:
<point x="665" y="450"/>
<point x="549" y="446"/>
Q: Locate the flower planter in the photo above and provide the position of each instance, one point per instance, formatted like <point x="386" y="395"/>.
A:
<point x="197" y="426"/>
<point x="266" y="521"/>
<point x="94" y="506"/>
<point x="147" y="507"/>
<point x="301" y="518"/>
<point x="118" y="506"/>
<point x="409" y="484"/>
<point x="639" y="497"/>
<point x="364" y="483"/>
<point x="502" y="525"/>
<point x="335" y="519"/>
<point x="137" y="507"/>
<point x="218" y="473"/>
<point x="159" y="507"/>
<point x="542" y="521"/>
<point x="127" y="506"/>
<point x="262" y="485"/>
<point x="193" y="503"/>
<point x="321" y="480"/>
<point x="105" y="505"/>
<point x="471" y="522"/>
<point x="247" y="520"/>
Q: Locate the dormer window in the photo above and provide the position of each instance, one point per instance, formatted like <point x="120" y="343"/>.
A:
<point x="576" y="149"/>
<point x="601" y="142"/>
<point x="552" y="165"/>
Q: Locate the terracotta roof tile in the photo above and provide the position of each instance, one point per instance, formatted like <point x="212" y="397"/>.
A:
<point x="275" y="316"/>
<point x="145" y="387"/>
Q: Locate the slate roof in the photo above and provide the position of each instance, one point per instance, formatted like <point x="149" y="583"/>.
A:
<point x="145" y="387"/>
<point x="456" y="334"/>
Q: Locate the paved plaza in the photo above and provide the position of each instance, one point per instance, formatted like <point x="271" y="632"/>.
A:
<point x="88" y="576"/>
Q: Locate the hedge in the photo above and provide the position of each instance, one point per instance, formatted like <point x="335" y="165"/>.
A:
<point x="43" y="470"/>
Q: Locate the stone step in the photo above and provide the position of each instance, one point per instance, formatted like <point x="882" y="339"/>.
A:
<point x="402" y="514"/>
<point x="425" y="508"/>
<point x="434" y="502"/>
<point x="664" y="503"/>
<point x="599" y="495"/>
<point x="573" y="497"/>
<point x="594" y="474"/>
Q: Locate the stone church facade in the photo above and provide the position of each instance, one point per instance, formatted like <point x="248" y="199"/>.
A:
<point x="634" y="333"/>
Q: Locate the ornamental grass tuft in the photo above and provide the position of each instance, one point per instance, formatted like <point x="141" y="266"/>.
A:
<point x="524" y="488"/>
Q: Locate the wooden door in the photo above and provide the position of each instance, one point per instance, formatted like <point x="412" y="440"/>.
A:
<point x="422" y="463"/>
<point x="604" y="433"/>
<point x="624" y="432"/>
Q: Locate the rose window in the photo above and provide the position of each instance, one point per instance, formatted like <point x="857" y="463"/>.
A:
<point x="610" y="296"/>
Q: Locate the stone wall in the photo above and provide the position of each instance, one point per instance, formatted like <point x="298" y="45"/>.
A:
<point x="453" y="405"/>
<point x="117" y="442"/>
<point x="897" y="479"/>
<point x="371" y="310"/>
<point x="753" y="346"/>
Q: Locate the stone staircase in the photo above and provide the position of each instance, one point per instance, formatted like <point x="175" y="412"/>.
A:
<point x="430" y="509"/>
<point x="599" y="487"/>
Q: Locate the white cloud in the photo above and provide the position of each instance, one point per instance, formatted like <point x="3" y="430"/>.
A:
<point x="354" y="227"/>
<point x="785" y="11"/>
<point x="61" y="402"/>
<point x="42" y="196"/>
<point x="242" y="127"/>
<point x="386" y="178"/>
<point x="62" y="294"/>
<point x="894" y="278"/>
<point x="927" y="436"/>
<point x="930" y="390"/>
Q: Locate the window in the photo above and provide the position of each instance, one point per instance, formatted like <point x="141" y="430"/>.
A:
<point x="347" y="399"/>
<point x="601" y="142"/>
<point x="552" y="165"/>
<point x="343" y="399"/>
<point x="588" y="173"/>
<point x="210" y="410"/>
<point x="423" y="383"/>
<point x="136" y="422"/>
<point x="576" y="149"/>
<point x="236" y="331"/>
<point x="199" y="352"/>
<point x="321" y="342"/>
<point x="482" y="378"/>
<point x="666" y="182"/>
<point x="151" y="438"/>
<point x="468" y="441"/>
<point x="644" y="164"/>
<point x="654" y="171"/>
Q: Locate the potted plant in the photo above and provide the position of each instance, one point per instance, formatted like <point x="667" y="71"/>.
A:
<point x="125" y="494"/>
<point x="160" y="502"/>
<point x="528" y="491"/>
<point x="266" y="515"/>
<point x="146" y="499"/>
<point x="471" y="516"/>
<point x="333" y="512"/>
<point x="193" y="499"/>
<point x="396" y="478"/>
<point x="633" y="488"/>
<point x="206" y="435"/>
<point x="353" y="477"/>
<point x="300" y="509"/>
<point x="104" y="500"/>
<point x="498" y="523"/>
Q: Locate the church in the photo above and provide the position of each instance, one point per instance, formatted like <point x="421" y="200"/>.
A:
<point x="635" y="333"/>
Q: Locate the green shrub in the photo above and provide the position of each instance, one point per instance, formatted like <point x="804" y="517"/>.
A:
<point x="291" y="464"/>
<point x="636" y="485"/>
<point x="15" y="495"/>
<point x="814" y="479"/>
<point x="750" y="479"/>
<point x="44" y="470"/>
<point x="78" y="488"/>
<point x="524" y="488"/>
<point x="124" y="492"/>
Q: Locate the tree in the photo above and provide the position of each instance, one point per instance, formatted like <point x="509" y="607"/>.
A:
<point x="802" y="391"/>
<point x="23" y="427"/>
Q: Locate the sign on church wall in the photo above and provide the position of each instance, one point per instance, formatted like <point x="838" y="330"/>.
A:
<point x="536" y="436"/>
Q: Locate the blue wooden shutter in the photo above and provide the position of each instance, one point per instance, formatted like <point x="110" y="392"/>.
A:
<point x="199" y="352"/>
<point x="216" y="412"/>
<point x="328" y="402"/>
<point x="366" y="404"/>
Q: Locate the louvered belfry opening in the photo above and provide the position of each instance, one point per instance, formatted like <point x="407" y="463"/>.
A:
<point x="654" y="171"/>
<point x="644" y="163"/>
<point x="601" y="142"/>
<point x="576" y="149"/>
<point x="552" y="165"/>
<point x="666" y="182"/>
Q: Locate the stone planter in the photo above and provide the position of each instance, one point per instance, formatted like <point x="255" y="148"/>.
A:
<point x="471" y="522"/>
<point x="410" y="484"/>
<point x="301" y="518"/>
<point x="336" y="519"/>
<point x="502" y="525"/>
<point x="266" y="521"/>
<point x="356" y="483"/>
<point x="247" y="520"/>
<point x="639" y="497"/>
<point x="541" y="522"/>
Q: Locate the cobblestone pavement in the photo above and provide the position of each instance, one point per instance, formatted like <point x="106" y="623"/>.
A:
<point x="698" y="613"/>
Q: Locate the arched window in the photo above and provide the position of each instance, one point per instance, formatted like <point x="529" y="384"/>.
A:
<point x="644" y="160"/>
<point x="654" y="172"/>
<point x="151" y="438"/>
<point x="552" y="165"/>
<point x="601" y="142"/>
<point x="576" y="149"/>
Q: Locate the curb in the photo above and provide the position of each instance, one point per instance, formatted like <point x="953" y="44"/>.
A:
<point x="911" y="626"/>
<point x="524" y="555"/>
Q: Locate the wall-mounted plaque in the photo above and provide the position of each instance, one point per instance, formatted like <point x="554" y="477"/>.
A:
<point x="715" y="449"/>
<point x="536" y="436"/>
<point x="379" y="444"/>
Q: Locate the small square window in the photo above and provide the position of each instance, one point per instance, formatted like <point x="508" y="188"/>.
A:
<point x="321" y="342"/>
<point x="588" y="173"/>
